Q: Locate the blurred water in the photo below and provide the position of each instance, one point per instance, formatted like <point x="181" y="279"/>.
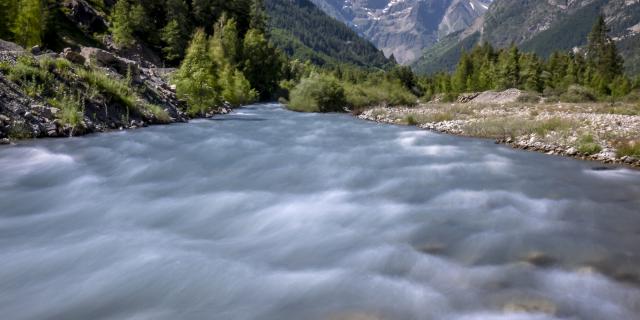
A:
<point x="270" y="214"/>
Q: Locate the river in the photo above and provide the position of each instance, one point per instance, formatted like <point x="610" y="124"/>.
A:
<point x="274" y="215"/>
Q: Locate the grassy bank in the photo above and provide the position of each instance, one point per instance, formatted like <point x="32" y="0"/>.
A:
<point x="598" y="131"/>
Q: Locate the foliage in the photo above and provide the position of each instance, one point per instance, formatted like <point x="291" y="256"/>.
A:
<point x="592" y="74"/>
<point x="195" y="80"/>
<point x="318" y="93"/>
<point x="29" y="24"/>
<point x="588" y="146"/>
<point x="305" y="32"/>
<point x="628" y="148"/>
<point x="262" y="63"/>
<point x="122" y="25"/>
<point x="71" y="108"/>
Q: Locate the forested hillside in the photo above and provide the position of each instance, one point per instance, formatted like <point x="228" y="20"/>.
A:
<point x="543" y="27"/>
<point x="305" y="32"/>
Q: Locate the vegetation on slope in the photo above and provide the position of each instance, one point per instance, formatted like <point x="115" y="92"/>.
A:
<point x="305" y="32"/>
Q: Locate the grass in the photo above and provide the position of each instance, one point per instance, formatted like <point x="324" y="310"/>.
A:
<point x="587" y="145"/>
<point x="628" y="148"/>
<point x="71" y="109"/>
<point x="554" y="124"/>
<point x="117" y="89"/>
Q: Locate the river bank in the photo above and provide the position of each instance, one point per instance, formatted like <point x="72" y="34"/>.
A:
<point x="81" y="91"/>
<point x="609" y="133"/>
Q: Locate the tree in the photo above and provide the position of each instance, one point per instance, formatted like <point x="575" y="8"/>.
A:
<point x="509" y="68"/>
<point x="602" y="57"/>
<point x="195" y="80"/>
<point x="236" y="89"/>
<point x="8" y="9"/>
<point x="258" y="17"/>
<point x="122" y="26"/>
<point x="30" y="22"/>
<point x="173" y="37"/>
<point x="262" y="63"/>
<point x="463" y="74"/>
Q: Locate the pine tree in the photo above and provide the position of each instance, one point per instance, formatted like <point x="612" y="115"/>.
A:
<point x="195" y="80"/>
<point x="122" y="26"/>
<point x="258" y="17"/>
<point x="463" y="73"/>
<point x="8" y="9"/>
<point x="173" y="37"/>
<point x="509" y="68"/>
<point x="30" y="22"/>
<point x="262" y="63"/>
<point x="602" y="57"/>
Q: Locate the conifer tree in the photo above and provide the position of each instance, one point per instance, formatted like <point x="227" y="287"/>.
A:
<point x="602" y="57"/>
<point x="463" y="73"/>
<point x="8" y="10"/>
<point x="30" y="22"/>
<point x="509" y="68"/>
<point x="122" y="26"/>
<point x="258" y="17"/>
<point x="195" y="80"/>
<point x="262" y="63"/>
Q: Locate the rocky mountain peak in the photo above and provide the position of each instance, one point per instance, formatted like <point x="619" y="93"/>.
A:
<point x="405" y="27"/>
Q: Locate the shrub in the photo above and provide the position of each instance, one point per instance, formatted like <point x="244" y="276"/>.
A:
<point x="411" y="120"/>
<point x="576" y="94"/>
<point x="587" y="145"/>
<point x="318" y="93"/>
<point x="70" y="109"/>
<point x="628" y="148"/>
<point x="385" y="92"/>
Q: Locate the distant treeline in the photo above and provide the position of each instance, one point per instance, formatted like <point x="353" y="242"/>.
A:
<point x="597" y="68"/>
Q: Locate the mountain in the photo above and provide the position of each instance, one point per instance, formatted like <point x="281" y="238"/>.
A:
<point x="541" y="27"/>
<point x="403" y="28"/>
<point x="305" y="32"/>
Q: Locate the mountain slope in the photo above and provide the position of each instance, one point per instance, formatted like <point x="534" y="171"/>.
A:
<point x="543" y="27"/>
<point x="305" y="32"/>
<point x="405" y="27"/>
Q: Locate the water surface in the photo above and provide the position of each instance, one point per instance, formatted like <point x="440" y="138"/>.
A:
<point x="270" y="214"/>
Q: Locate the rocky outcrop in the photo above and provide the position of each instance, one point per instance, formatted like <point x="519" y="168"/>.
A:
<point x="30" y="115"/>
<point x="83" y="15"/>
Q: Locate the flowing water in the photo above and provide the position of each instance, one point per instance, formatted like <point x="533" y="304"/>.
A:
<point x="270" y="214"/>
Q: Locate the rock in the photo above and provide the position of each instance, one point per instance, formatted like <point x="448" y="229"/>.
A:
<point x="10" y="47"/>
<point x="531" y="306"/>
<point x="5" y="141"/>
<point x="507" y="96"/>
<point x="539" y="259"/>
<point x="107" y="59"/>
<point x="73" y="56"/>
<point x="432" y="248"/>
<point x="36" y="50"/>
<point x="572" y="151"/>
<point x="4" y="119"/>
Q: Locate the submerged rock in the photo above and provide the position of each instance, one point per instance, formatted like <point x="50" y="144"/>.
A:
<point x="534" y="305"/>
<point x="539" y="259"/>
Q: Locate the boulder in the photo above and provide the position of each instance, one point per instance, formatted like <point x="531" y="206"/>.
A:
<point x="96" y="56"/>
<point x="36" y="50"/>
<point x="73" y="56"/>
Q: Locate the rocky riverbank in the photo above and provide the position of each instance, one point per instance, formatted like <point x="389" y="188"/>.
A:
<point x="609" y="133"/>
<point x="81" y="91"/>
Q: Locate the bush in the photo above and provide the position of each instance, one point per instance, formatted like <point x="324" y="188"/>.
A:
<point x="577" y="94"/>
<point x="628" y="148"/>
<point x="318" y="93"/>
<point x="70" y="109"/>
<point x="588" y="146"/>
<point x="386" y="92"/>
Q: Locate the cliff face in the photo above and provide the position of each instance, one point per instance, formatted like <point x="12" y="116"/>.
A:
<point x="405" y="28"/>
